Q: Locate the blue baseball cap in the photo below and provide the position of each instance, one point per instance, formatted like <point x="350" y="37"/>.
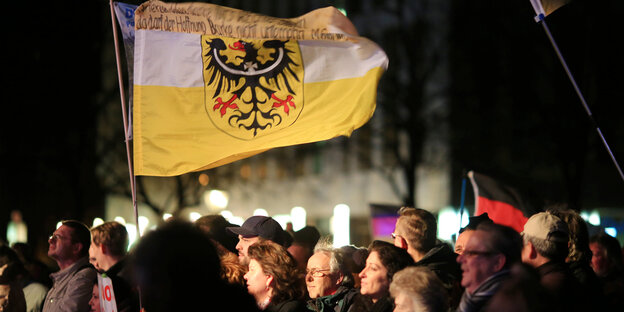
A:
<point x="265" y="227"/>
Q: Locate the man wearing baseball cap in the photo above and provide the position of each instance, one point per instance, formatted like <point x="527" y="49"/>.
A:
<point x="255" y="229"/>
<point x="545" y="238"/>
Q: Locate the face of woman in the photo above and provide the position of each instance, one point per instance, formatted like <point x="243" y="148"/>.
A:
<point x="599" y="261"/>
<point x="374" y="278"/>
<point x="94" y="303"/>
<point x="258" y="283"/>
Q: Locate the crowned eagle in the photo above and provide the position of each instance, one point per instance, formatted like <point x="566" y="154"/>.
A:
<point x="253" y="82"/>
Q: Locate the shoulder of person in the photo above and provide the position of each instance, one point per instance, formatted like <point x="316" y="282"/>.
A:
<point x="86" y="270"/>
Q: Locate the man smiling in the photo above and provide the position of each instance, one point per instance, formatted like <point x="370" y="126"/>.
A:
<point x="485" y="262"/>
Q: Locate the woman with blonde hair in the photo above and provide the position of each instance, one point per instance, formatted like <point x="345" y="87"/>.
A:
<point x="273" y="278"/>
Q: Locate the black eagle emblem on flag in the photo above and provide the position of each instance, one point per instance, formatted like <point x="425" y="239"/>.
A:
<point x="252" y="86"/>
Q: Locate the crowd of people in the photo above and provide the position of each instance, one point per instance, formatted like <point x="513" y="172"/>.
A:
<point x="212" y="265"/>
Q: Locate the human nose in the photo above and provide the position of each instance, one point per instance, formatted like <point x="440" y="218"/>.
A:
<point x="460" y="258"/>
<point x="363" y="273"/>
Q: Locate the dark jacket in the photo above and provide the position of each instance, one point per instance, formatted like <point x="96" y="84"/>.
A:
<point x="341" y="301"/>
<point x="385" y="304"/>
<point x="561" y="285"/>
<point x="442" y="260"/>
<point x="126" y="294"/>
<point x="613" y="290"/>
<point x="592" y="298"/>
<point x="287" y="306"/>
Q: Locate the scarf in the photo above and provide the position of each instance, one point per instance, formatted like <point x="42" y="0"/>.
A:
<point x="477" y="300"/>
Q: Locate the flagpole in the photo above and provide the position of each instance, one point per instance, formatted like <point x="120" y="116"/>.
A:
<point x="463" y="197"/>
<point x="122" y="94"/>
<point x="542" y="20"/>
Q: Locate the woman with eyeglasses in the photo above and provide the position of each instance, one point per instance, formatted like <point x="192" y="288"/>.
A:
<point x="273" y="278"/>
<point x="384" y="259"/>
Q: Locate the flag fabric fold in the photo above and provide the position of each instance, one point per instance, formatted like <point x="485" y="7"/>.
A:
<point x="213" y="84"/>
<point x="504" y="204"/>
<point x="543" y="8"/>
<point x="125" y="17"/>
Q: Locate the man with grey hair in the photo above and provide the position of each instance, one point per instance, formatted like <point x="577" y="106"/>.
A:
<point x="328" y="280"/>
<point x="545" y="239"/>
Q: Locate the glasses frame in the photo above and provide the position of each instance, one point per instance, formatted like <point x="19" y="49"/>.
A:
<point x="57" y="237"/>
<point x="317" y="273"/>
<point x="471" y="253"/>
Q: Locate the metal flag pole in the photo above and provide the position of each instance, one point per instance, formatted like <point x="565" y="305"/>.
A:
<point x="463" y="197"/>
<point x="540" y="18"/>
<point x="122" y="94"/>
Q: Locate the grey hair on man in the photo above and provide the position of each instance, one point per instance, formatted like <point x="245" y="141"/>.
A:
<point x="548" y="235"/>
<point x="337" y="263"/>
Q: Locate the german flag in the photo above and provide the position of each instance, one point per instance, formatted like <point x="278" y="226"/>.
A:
<point x="504" y="204"/>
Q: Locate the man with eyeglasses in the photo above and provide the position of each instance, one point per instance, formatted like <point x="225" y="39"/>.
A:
<point x="328" y="280"/>
<point x="73" y="283"/>
<point x="487" y="257"/>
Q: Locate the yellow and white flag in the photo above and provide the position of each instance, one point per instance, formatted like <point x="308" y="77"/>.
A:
<point x="213" y="84"/>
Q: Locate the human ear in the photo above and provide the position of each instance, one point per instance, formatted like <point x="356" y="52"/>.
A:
<point x="532" y="251"/>
<point x="403" y="243"/>
<point x="105" y="249"/>
<point x="500" y="262"/>
<point x="77" y="247"/>
<point x="339" y="280"/>
<point x="269" y="281"/>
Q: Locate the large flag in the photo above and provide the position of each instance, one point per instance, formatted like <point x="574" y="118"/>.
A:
<point x="213" y="84"/>
<point x="504" y="204"/>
